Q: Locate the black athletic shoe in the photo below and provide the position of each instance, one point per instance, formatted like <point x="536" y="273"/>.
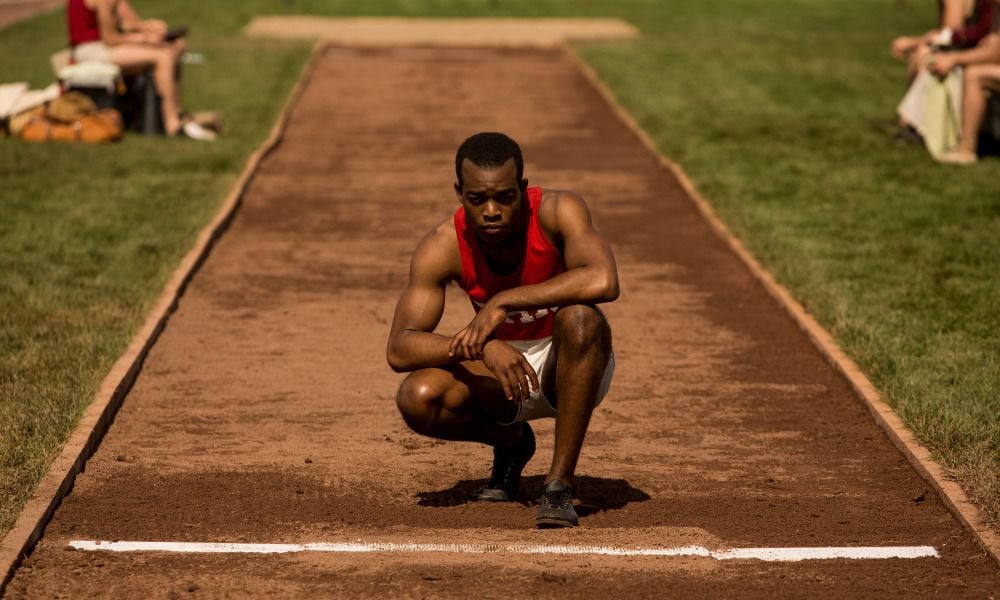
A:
<point x="507" y="466"/>
<point x="555" y="507"/>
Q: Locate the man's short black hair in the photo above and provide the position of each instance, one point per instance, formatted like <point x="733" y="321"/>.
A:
<point x="489" y="149"/>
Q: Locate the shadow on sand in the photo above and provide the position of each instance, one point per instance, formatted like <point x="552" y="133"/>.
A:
<point x="593" y="494"/>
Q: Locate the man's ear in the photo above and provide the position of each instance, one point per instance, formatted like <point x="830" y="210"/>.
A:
<point x="458" y="190"/>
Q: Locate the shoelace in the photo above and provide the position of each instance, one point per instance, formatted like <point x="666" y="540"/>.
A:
<point x="560" y="499"/>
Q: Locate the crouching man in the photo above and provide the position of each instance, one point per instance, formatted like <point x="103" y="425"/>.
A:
<point x="535" y="269"/>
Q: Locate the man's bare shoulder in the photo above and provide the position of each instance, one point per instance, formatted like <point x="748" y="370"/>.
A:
<point x="559" y="205"/>
<point x="438" y="252"/>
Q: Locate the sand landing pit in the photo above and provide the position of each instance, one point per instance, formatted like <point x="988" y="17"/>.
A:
<point x="387" y="31"/>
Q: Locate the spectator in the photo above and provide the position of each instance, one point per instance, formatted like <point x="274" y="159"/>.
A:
<point x="111" y="31"/>
<point x="982" y="73"/>
<point x="930" y="112"/>
<point x="962" y="24"/>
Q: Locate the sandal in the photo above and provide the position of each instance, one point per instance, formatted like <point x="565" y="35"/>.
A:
<point x="958" y="157"/>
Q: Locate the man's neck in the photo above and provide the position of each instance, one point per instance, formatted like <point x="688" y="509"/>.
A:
<point x="504" y="258"/>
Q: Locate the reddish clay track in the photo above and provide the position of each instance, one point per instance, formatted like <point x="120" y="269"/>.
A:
<point x="265" y="411"/>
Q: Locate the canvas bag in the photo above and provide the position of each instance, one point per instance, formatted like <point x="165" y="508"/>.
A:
<point x="933" y="106"/>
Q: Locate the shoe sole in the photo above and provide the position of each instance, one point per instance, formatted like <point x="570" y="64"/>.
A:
<point x="493" y="495"/>
<point x="550" y="523"/>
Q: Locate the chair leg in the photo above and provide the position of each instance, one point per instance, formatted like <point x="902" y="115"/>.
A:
<point x="152" y="115"/>
<point x="140" y="106"/>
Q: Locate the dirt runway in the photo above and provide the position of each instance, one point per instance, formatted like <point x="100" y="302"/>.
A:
<point x="265" y="412"/>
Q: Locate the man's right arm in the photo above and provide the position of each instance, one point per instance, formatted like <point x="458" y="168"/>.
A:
<point x="412" y="343"/>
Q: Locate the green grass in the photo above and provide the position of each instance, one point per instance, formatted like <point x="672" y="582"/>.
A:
<point x="90" y="234"/>
<point x="766" y="103"/>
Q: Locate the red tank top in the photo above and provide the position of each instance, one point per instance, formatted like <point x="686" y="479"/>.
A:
<point x="541" y="262"/>
<point x="82" y="23"/>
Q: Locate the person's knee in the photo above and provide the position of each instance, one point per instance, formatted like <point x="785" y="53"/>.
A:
<point x="419" y="403"/>
<point x="165" y="58"/>
<point x="978" y="77"/>
<point x="580" y="327"/>
<point x="973" y="74"/>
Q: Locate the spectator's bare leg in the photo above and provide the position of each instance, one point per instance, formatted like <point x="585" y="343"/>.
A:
<point x="978" y="78"/>
<point x="133" y="58"/>
<point x="179" y="47"/>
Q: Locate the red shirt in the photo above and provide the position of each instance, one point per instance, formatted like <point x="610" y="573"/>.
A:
<point x="976" y="27"/>
<point x="541" y="262"/>
<point x="82" y="23"/>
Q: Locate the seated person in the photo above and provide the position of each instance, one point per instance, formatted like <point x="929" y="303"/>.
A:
<point x="924" y="114"/>
<point x="982" y="73"/>
<point x="111" y="31"/>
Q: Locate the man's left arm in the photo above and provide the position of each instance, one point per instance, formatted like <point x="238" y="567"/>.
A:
<point x="591" y="275"/>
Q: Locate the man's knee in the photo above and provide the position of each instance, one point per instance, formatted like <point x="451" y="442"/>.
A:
<point x="580" y="327"/>
<point x="419" y="402"/>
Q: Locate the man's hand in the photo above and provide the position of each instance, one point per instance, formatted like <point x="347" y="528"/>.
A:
<point x="469" y="342"/>
<point x="510" y="367"/>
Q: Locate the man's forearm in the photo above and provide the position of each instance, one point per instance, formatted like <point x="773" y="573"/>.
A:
<point x="583" y="285"/>
<point x="412" y="350"/>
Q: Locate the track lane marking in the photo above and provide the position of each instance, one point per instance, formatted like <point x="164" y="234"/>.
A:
<point x="763" y="554"/>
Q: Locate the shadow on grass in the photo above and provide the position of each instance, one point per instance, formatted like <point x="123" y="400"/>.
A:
<point x="593" y="494"/>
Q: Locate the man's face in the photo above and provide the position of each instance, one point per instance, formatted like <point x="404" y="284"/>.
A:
<point x="492" y="197"/>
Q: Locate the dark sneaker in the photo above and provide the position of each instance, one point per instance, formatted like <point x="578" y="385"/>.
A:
<point x="555" y="507"/>
<point x="907" y="134"/>
<point x="507" y="466"/>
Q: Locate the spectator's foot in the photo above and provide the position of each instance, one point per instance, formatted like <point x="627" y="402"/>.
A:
<point x="908" y="135"/>
<point x="886" y="125"/>
<point x="958" y="157"/>
<point x="194" y="131"/>
<point x="209" y="119"/>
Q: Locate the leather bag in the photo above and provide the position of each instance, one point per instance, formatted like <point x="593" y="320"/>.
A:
<point x="101" y="126"/>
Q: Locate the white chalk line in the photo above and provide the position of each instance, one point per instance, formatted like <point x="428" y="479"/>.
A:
<point x="764" y="554"/>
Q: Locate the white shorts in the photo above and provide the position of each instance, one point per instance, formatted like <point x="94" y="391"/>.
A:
<point x="92" y="52"/>
<point x="537" y="406"/>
